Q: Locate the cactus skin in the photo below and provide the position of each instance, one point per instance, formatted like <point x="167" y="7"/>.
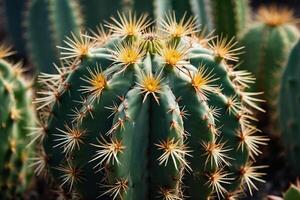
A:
<point x="16" y="115"/>
<point x="147" y="117"/>
<point x="266" y="40"/>
<point x="47" y="24"/>
<point x="289" y="108"/>
<point x="12" y="11"/>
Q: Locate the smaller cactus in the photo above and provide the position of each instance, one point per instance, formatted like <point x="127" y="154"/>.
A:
<point x="267" y="45"/>
<point x="289" y="108"/>
<point x="293" y="193"/>
<point x="16" y="116"/>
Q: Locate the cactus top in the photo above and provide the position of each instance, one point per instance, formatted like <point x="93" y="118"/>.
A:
<point x="157" y="110"/>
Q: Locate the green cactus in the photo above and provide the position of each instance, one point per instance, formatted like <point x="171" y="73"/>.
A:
<point x="289" y="105"/>
<point x="48" y="22"/>
<point x="16" y="116"/>
<point x="12" y="15"/>
<point x="137" y="114"/>
<point x="293" y="193"/>
<point x="267" y="45"/>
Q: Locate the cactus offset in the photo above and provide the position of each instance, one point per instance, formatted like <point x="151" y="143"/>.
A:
<point x="144" y="115"/>
<point x="271" y="37"/>
<point x="292" y="193"/>
<point x="289" y="108"/>
<point x="16" y="116"/>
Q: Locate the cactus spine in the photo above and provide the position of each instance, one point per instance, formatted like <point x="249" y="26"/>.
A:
<point x="289" y="108"/>
<point x="138" y="114"/>
<point x="48" y="22"/>
<point x="271" y="37"/>
<point x="16" y="115"/>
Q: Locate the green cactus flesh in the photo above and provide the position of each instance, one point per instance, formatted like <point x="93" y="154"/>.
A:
<point x="16" y="116"/>
<point x="272" y="37"/>
<point x="148" y="114"/>
<point x="289" y="107"/>
<point x="47" y="24"/>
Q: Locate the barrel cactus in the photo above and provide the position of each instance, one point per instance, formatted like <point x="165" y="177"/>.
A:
<point x="16" y="116"/>
<point x="271" y="37"/>
<point x="289" y="107"/>
<point x="144" y="112"/>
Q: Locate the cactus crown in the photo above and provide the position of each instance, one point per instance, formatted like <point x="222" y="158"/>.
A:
<point x="275" y="16"/>
<point x="153" y="110"/>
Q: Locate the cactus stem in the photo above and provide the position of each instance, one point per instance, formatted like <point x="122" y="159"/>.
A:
<point x="15" y="114"/>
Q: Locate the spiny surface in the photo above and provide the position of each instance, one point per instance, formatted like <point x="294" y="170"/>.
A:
<point x="16" y="116"/>
<point x="148" y="113"/>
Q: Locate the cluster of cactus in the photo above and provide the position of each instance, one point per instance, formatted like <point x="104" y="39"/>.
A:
<point x="49" y="21"/>
<point x="289" y="108"/>
<point x="145" y="111"/>
<point x="16" y="116"/>
<point x="267" y="45"/>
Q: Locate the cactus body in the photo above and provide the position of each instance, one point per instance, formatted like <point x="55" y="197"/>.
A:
<point x="269" y="41"/>
<point x="16" y="116"/>
<point x="12" y="12"/>
<point x="289" y="108"/>
<point x="48" y="22"/>
<point x="146" y="115"/>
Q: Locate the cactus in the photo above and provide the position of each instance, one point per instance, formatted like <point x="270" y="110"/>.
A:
<point x="292" y="193"/>
<point x="12" y="16"/>
<point x="271" y="37"/>
<point x="16" y="115"/>
<point x="49" y="21"/>
<point x="289" y="108"/>
<point x="142" y="112"/>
